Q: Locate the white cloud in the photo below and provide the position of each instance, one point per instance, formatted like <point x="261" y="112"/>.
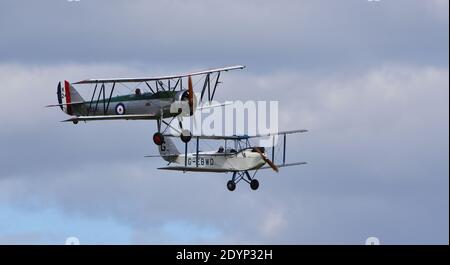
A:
<point x="273" y="223"/>
<point x="440" y="8"/>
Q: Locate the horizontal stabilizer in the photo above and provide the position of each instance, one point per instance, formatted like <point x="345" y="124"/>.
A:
<point x="65" y="104"/>
<point x="169" y="155"/>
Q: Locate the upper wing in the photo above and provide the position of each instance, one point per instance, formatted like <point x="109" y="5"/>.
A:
<point x="113" y="117"/>
<point x="239" y="137"/>
<point x="277" y="133"/>
<point x="209" y="137"/>
<point x="144" y="79"/>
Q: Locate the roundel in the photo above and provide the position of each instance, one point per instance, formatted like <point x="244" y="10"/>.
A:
<point x="120" y="109"/>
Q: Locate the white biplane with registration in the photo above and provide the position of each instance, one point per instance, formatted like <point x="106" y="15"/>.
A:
<point x="238" y="160"/>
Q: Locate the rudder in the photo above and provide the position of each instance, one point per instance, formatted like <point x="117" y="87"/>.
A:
<point x="168" y="150"/>
<point x="67" y="95"/>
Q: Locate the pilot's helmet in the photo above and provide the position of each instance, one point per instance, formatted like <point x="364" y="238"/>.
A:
<point x="137" y="91"/>
<point x="221" y="149"/>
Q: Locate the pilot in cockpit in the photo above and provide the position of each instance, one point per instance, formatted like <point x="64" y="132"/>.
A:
<point x="221" y="149"/>
<point x="137" y="92"/>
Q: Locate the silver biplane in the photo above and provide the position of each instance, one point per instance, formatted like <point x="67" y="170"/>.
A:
<point x="239" y="160"/>
<point x="166" y="97"/>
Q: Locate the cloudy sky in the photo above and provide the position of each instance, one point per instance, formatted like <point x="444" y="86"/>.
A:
<point x="369" y="80"/>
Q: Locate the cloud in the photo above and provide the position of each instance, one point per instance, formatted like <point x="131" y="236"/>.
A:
<point x="266" y="35"/>
<point x="369" y="80"/>
<point x="272" y="224"/>
<point x="377" y="152"/>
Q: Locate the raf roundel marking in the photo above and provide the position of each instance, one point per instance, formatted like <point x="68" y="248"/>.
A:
<point x="120" y="109"/>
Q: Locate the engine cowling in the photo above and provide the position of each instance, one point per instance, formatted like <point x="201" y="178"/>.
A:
<point x="181" y="103"/>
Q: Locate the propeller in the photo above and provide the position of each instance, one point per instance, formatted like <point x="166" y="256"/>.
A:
<point x="191" y="101"/>
<point x="268" y="161"/>
<point x="190" y="96"/>
<point x="192" y="105"/>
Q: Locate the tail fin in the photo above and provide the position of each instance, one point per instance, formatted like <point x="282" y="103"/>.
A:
<point x="67" y="94"/>
<point x="168" y="150"/>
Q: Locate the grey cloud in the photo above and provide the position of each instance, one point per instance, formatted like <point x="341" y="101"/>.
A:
<point x="369" y="80"/>
<point x="377" y="152"/>
<point x="263" y="34"/>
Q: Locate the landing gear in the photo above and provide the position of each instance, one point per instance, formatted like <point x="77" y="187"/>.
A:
<point x="245" y="176"/>
<point x="75" y="122"/>
<point x="158" y="138"/>
<point x="231" y="185"/>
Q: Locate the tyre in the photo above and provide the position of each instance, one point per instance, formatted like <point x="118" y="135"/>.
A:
<point x="186" y="136"/>
<point x="158" y="138"/>
<point x="231" y="185"/>
<point x="254" y="184"/>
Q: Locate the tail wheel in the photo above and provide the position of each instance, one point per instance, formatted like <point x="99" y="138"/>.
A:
<point x="254" y="184"/>
<point x="231" y="185"/>
<point x="158" y="138"/>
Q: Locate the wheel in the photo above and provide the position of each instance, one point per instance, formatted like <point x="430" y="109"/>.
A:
<point x="158" y="138"/>
<point x="231" y="185"/>
<point x="75" y="122"/>
<point x="254" y="184"/>
<point x="186" y="136"/>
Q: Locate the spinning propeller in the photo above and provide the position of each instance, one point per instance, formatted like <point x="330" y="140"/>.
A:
<point x="186" y="134"/>
<point x="190" y="96"/>
<point x="268" y="161"/>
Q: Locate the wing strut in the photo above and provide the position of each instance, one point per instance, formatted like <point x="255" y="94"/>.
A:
<point x="207" y="87"/>
<point x="185" y="153"/>
<point x="284" y="149"/>
<point x="110" y="96"/>
<point x="215" y="85"/>
<point x="273" y="148"/>
<point x="196" y="159"/>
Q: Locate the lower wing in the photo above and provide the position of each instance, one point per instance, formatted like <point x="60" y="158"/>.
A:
<point x="203" y="169"/>
<point x="285" y="165"/>
<point x="195" y="169"/>
<point x="207" y="106"/>
<point x="113" y="117"/>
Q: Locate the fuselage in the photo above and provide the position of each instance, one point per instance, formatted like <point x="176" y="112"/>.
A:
<point x="158" y="103"/>
<point x="245" y="159"/>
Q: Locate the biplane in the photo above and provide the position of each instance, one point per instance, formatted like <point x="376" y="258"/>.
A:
<point x="239" y="158"/>
<point x="162" y="97"/>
